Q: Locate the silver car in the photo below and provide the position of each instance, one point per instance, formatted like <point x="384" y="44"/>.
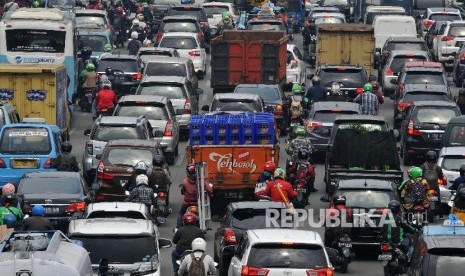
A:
<point x="450" y="160"/>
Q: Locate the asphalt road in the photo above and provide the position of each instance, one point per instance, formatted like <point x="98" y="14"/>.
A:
<point x="366" y="262"/>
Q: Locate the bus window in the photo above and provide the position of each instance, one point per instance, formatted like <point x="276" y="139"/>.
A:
<point x="22" y="40"/>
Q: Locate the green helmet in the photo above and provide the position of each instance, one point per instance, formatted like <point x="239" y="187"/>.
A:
<point x="300" y="131"/>
<point x="280" y="173"/>
<point x="296" y="88"/>
<point x="415" y="172"/>
<point x="108" y="48"/>
<point x="368" y="87"/>
<point x="90" y="67"/>
<point x="225" y="15"/>
<point x="145" y="5"/>
<point x="35" y="4"/>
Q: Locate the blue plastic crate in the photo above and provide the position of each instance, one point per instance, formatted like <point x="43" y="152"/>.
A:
<point x="195" y="140"/>
<point x="235" y="140"/>
<point x="248" y="125"/>
<point x="209" y="125"/>
<point x="235" y="122"/>
<point x="265" y="139"/>
<point x="195" y="126"/>
<point x="209" y="140"/>
<point x="248" y="140"/>
<point x="221" y="140"/>
<point x="222" y="124"/>
<point x="264" y="124"/>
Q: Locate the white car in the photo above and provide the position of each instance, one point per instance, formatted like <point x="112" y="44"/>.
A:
<point x="437" y="14"/>
<point x="188" y="46"/>
<point x="448" y="44"/>
<point x="277" y="251"/>
<point x="128" y="210"/>
<point x="450" y="159"/>
<point x="214" y="12"/>
<point x="295" y="71"/>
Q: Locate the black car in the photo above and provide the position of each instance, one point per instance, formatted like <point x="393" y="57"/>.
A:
<point x="350" y="79"/>
<point x="459" y="66"/>
<point x="274" y="99"/>
<point x="229" y="102"/>
<point x="240" y="217"/>
<point x="423" y="127"/>
<point x="180" y="23"/>
<point x="342" y="5"/>
<point x="61" y="193"/>
<point x="126" y="69"/>
<point x="197" y="12"/>
<point x="364" y="195"/>
<point x="160" y="9"/>
<point x="400" y="43"/>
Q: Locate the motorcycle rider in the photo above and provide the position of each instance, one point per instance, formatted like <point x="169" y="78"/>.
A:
<point x="10" y="206"/>
<point x="300" y="141"/>
<point x="337" y="208"/>
<point x="432" y="173"/>
<point x="66" y="162"/>
<point x="458" y="208"/>
<point x="37" y="222"/>
<point x="141" y="168"/>
<point x="35" y="4"/>
<point x="367" y="100"/>
<point x="297" y="102"/>
<point x="189" y="190"/>
<point x="184" y="237"/>
<point x="317" y="92"/>
<point x="279" y="183"/>
<point x="415" y="190"/>
<point x="9" y="221"/>
<point x="115" y="81"/>
<point x="260" y="187"/>
<point x="11" y="5"/>
<point x="90" y="78"/>
<point x="304" y="159"/>
<point x="134" y="45"/>
<point x="199" y="247"/>
<point x="459" y="180"/>
<point x="225" y="23"/>
<point x="142" y="193"/>
<point x="95" y="5"/>
<point x="147" y="12"/>
<point x="106" y="98"/>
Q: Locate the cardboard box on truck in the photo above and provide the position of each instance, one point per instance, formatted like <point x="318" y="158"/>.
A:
<point x="37" y="91"/>
<point x="241" y="56"/>
<point x="345" y="44"/>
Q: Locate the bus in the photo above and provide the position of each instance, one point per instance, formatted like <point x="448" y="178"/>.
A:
<point x="40" y="36"/>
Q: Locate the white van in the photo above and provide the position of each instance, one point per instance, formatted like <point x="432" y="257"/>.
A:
<point x="386" y="26"/>
<point x="373" y="11"/>
<point x="43" y="254"/>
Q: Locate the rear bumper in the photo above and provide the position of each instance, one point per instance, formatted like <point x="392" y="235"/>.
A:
<point x="419" y="150"/>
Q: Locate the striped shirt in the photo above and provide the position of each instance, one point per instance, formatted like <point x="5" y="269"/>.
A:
<point x="369" y="103"/>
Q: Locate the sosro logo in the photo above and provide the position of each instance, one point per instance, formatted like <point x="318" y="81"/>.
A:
<point x="227" y="161"/>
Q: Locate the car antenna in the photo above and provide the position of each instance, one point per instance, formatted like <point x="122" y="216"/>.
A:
<point x="365" y="184"/>
<point x="116" y="205"/>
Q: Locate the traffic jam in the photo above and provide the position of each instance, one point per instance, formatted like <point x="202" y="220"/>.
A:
<point x="232" y="138"/>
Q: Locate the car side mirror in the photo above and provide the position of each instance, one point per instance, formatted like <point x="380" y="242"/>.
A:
<point x="133" y="90"/>
<point x="164" y="243"/>
<point x="205" y="108"/>
<point x="87" y="132"/>
<point x="158" y="133"/>
<point x="393" y="81"/>
<point x="98" y="156"/>
<point x="103" y="266"/>
<point x="199" y="91"/>
<point x="325" y="198"/>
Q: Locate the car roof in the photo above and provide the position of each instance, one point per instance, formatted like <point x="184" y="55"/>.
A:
<point x="435" y="103"/>
<point x="180" y="35"/>
<point x="408" y="52"/>
<point x="326" y="66"/>
<point x="143" y="99"/>
<point x="132" y="143"/>
<point x="256" y="205"/>
<point x="116" y="207"/>
<point x="365" y="183"/>
<point x="281" y="235"/>
<point x="349" y="118"/>
<point x="84" y="11"/>
<point x="237" y="96"/>
<point x="384" y="8"/>
<point x="423" y="64"/>
<point x="456" y="22"/>
<point x="52" y="175"/>
<point x="445" y="151"/>
<point x="260" y="21"/>
<point x="117" y="56"/>
<point x="254" y="85"/>
<point x="346" y="106"/>
<point x="179" y="17"/>
<point x="314" y="9"/>
<point x="37" y="125"/>
<point x="409" y="39"/>
<point x="118" y="120"/>
<point x="329" y="14"/>
<point x="440" y="10"/>
<point x="112" y="226"/>
<point x="457" y="120"/>
<point x="217" y="4"/>
<point x="383" y="17"/>
<point x="164" y="59"/>
<point x="164" y="79"/>
<point x="430" y="88"/>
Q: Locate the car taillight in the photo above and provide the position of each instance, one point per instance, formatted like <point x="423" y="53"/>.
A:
<point x="448" y="38"/>
<point x="311" y="126"/>
<point x="278" y="110"/>
<point x="411" y="131"/>
<point x="229" y="236"/>
<point x="403" y="106"/>
<point x="320" y="272"/>
<point x="48" y="164"/>
<point x="90" y="148"/>
<point x="100" y="172"/>
<point x="462" y="56"/>
<point x="389" y="72"/>
<point x="194" y="53"/>
<point x="359" y="90"/>
<point x="427" y="23"/>
<point x="136" y="77"/>
<point x="168" y="128"/>
<point x="187" y="106"/>
<point x="2" y="163"/>
<point x="385" y="247"/>
<point x="254" y="271"/>
<point x="159" y="36"/>
<point x="76" y="207"/>
<point x="161" y="194"/>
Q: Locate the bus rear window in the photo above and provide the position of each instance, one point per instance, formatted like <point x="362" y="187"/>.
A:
<point x="25" y="141"/>
<point x="46" y="41"/>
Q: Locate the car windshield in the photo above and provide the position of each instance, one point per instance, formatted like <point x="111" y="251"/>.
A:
<point x="364" y="126"/>
<point x="278" y="26"/>
<point x="183" y="43"/>
<point x="281" y="255"/>
<point x="61" y="3"/>
<point x="25" y="141"/>
<point x="174" y="26"/>
<point x="368" y="199"/>
<point x="425" y="77"/>
<point x="119" y="249"/>
<point x="95" y="42"/>
<point x="350" y="78"/>
<point x="86" y="20"/>
<point x="328" y="116"/>
<point x="444" y="17"/>
<point x="26" y="40"/>
<point x="107" y="133"/>
<point x="249" y="218"/>
<point x="211" y="10"/>
<point x="457" y="30"/>
<point x="446" y="261"/>
<point x="372" y="15"/>
<point x="110" y="214"/>
<point x="128" y="156"/>
<point x="165" y="69"/>
<point x="398" y="62"/>
<point x="150" y="112"/>
<point x="407" y="46"/>
<point x="426" y="96"/>
<point x="125" y="65"/>
<point x="165" y="90"/>
<point x="452" y="162"/>
<point x="435" y="115"/>
<point x="48" y="186"/>
<point x="335" y="2"/>
<point x="457" y="136"/>
<point x="328" y="20"/>
<point x="197" y="13"/>
<point x="267" y="93"/>
<point x="243" y="106"/>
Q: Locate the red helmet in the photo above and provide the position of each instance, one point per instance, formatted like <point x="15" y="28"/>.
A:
<point x="140" y="9"/>
<point x="189" y="218"/>
<point x="270" y="166"/>
<point x="190" y="169"/>
<point x="119" y="9"/>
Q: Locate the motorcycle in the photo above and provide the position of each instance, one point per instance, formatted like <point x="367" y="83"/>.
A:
<point x="344" y="256"/>
<point x="106" y="111"/>
<point x="451" y="204"/>
<point x="433" y="204"/>
<point x="418" y="215"/>
<point x="395" y="256"/>
<point x="86" y="99"/>
<point x="186" y="253"/>
<point x="301" y="178"/>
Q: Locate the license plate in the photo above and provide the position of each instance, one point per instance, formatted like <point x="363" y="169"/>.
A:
<point x="24" y="164"/>
<point x="52" y="210"/>
<point x="434" y="198"/>
<point x="341" y="244"/>
<point x="233" y="195"/>
<point x="435" y="136"/>
<point x="384" y="257"/>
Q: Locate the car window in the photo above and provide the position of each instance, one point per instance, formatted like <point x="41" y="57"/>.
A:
<point x="215" y="9"/>
<point x="398" y="62"/>
<point x="328" y="20"/>
<point x="452" y="162"/>
<point x="25" y="141"/>
<point x="127" y="156"/>
<point x="329" y="116"/>
<point x="150" y="112"/>
<point x="166" y="90"/>
<point x="165" y="69"/>
<point x="254" y="219"/>
<point x="446" y="261"/>
<point x="125" y="65"/>
<point x="407" y="46"/>
<point x="234" y="105"/>
<point x="368" y="199"/>
<point x="348" y="77"/>
<point x="334" y="3"/>
<point x="83" y="20"/>
<point x="128" y="214"/>
<point x="424" y="77"/>
<point x="173" y="26"/>
<point x="444" y="17"/>
<point x="107" y="133"/>
<point x="457" y="30"/>
<point x="26" y="40"/>
<point x="48" y="186"/>
<point x="435" y="115"/>
<point x="364" y="126"/>
<point x="182" y="43"/>
<point x="412" y="97"/>
<point x="279" y="255"/>
<point x="457" y="136"/>
<point x="95" y="42"/>
<point x="61" y="3"/>
<point x="267" y="93"/>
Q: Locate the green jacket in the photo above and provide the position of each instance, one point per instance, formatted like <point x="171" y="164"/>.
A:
<point x="10" y="210"/>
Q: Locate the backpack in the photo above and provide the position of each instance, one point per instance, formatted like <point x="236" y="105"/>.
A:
<point x="302" y="171"/>
<point x="417" y="191"/>
<point x="296" y="107"/>
<point x="159" y="177"/>
<point x="197" y="268"/>
<point x="431" y="175"/>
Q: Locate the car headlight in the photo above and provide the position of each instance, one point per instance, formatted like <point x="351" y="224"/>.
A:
<point x="148" y="268"/>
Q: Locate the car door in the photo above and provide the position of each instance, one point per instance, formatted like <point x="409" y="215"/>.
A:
<point x="172" y="115"/>
<point x="194" y="98"/>
<point x="203" y="54"/>
<point x="238" y="259"/>
<point x="437" y="40"/>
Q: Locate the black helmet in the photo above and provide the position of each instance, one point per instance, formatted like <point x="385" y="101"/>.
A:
<point x="394" y="206"/>
<point x="462" y="92"/>
<point x="461" y="193"/>
<point x="462" y="170"/>
<point x="316" y="80"/>
<point x="303" y="154"/>
<point x="339" y="199"/>
<point x="66" y="147"/>
<point x="158" y="161"/>
<point x="431" y="156"/>
<point x="86" y="51"/>
<point x="109" y="71"/>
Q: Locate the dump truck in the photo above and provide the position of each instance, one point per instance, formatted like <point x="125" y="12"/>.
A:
<point x="37" y="91"/>
<point x="345" y="44"/>
<point x="242" y="56"/>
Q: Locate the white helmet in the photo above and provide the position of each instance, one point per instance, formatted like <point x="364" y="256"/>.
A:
<point x="148" y="43"/>
<point x="107" y="84"/>
<point x="142" y="179"/>
<point x="199" y="244"/>
<point x="134" y="35"/>
<point x="135" y="22"/>
<point x="140" y="17"/>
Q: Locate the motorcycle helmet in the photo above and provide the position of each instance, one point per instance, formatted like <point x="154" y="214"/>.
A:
<point x="88" y="61"/>
<point x="461" y="193"/>
<point x="9" y="200"/>
<point x="109" y="71"/>
<point x="199" y="244"/>
<point x="158" y="161"/>
<point x="431" y="156"/>
<point x="296" y="88"/>
<point x="190" y="169"/>
<point x="300" y="131"/>
<point x="270" y="166"/>
<point x="119" y="9"/>
<point x="462" y="170"/>
<point x="280" y="173"/>
<point x="394" y="206"/>
<point x="189" y="218"/>
<point x="108" y="48"/>
<point x="66" y="146"/>
<point x="142" y="179"/>
<point x="35" y="4"/>
<point x="145" y="5"/>
<point x="134" y="35"/>
<point x="141" y="167"/>
<point x="148" y="43"/>
<point x="8" y="189"/>
<point x="339" y="199"/>
<point x="140" y="17"/>
<point x="303" y="155"/>
<point x="416" y="172"/>
<point x="38" y="210"/>
<point x="368" y="87"/>
<point x="9" y="220"/>
<point x="316" y="80"/>
<point x="107" y="84"/>
<point x="90" y="67"/>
